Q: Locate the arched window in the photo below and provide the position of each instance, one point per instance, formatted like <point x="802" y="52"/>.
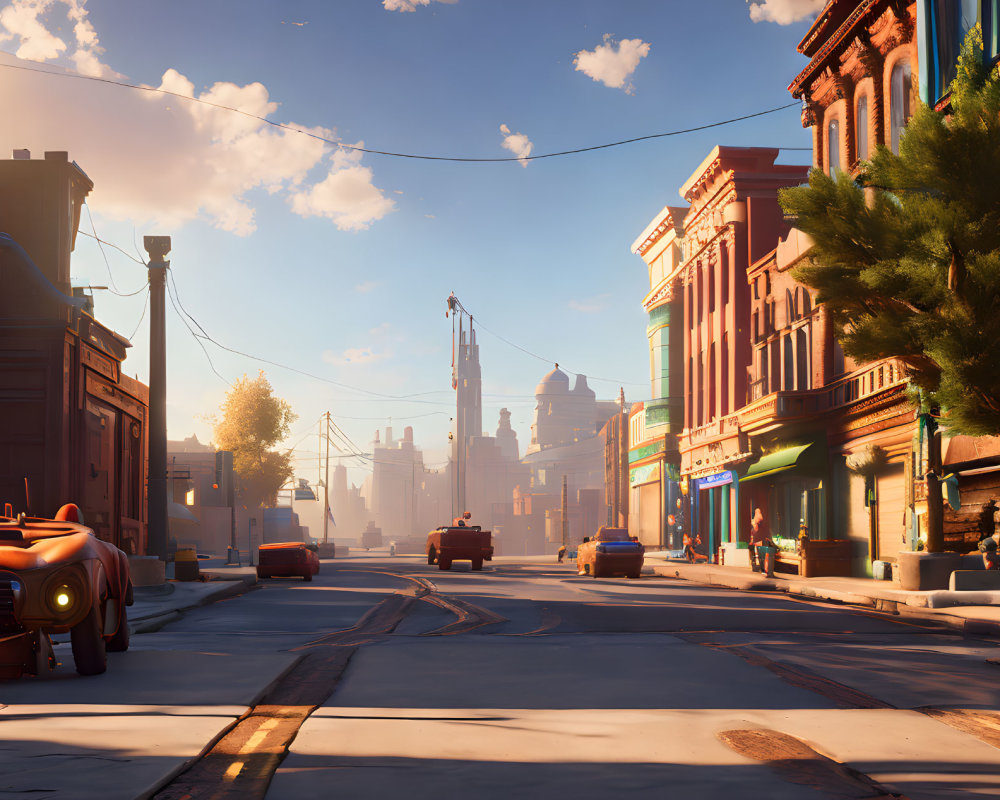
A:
<point x="802" y="377"/>
<point x="861" y="119"/>
<point x="833" y="145"/>
<point x="789" y="307"/>
<point x="900" y="86"/>
<point x="806" y="303"/>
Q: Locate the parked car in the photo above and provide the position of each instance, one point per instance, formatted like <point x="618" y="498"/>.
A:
<point x="459" y="542"/>
<point x="287" y="560"/>
<point x="57" y="576"/>
<point x="611" y="552"/>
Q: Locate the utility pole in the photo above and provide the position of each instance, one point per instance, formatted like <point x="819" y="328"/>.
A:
<point x="326" y="484"/>
<point x="157" y="247"/>
<point x="565" y="514"/>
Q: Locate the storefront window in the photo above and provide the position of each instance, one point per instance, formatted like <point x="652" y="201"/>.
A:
<point x="899" y="102"/>
<point x="861" y="139"/>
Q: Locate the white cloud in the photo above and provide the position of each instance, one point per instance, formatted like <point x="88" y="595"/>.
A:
<point x="367" y="286"/>
<point x="163" y="160"/>
<point x="784" y="12"/>
<point x="346" y="195"/>
<point x="590" y="305"/>
<point x="382" y="337"/>
<point x="612" y="63"/>
<point x="411" y="5"/>
<point x="519" y="144"/>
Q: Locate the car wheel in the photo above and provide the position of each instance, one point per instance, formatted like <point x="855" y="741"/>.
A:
<point x="586" y="569"/>
<point x="432" y="556"/>
<point x="444" y="563"/>
<point x="87" y="642"/>
<point x="307" y="578"/>
<point x="118" y="641"/>
<point x="633" y="576"/>
<point x="477" y="564"/>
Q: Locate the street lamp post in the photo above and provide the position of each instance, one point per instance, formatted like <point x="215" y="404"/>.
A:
<point x="157" y="247"/>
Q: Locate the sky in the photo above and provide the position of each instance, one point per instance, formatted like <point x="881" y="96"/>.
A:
<point x="293" y="246"/>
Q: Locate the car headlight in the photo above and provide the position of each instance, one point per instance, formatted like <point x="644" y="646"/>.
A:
<point x="65" y="593"/>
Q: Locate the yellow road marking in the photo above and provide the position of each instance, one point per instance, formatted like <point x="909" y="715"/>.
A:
<point x="259" y="736"/>
<point x="234" y="769"/>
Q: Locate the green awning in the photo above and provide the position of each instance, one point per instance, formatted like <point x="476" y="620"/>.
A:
<point x="773" y="463"/>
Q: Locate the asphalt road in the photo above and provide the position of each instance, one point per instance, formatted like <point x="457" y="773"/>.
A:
<point x="387" y="677"/>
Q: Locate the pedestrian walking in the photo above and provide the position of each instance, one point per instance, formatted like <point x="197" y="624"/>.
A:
<point x="561" y="553"/>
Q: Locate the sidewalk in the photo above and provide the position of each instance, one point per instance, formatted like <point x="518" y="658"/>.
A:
<point x="155" y="606"/>
<point x="971" y="612"/>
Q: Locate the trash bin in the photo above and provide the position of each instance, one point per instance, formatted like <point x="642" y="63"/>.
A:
<point x="186" y="565"/>
<point x="766" y="556"/>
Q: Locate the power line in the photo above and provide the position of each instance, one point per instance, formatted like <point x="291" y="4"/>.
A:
<point x="111" y="244"/>
<point x="335" y="143"/>
<point x="142" y="316"/>
<point x="197" y="338"/>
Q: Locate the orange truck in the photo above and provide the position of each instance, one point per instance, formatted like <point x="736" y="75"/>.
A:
<point x="611" y="552"/>
<point x="459" y="542"/>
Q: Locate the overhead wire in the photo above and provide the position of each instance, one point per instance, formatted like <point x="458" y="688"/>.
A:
<point x="142" y="316"/>
<point x="372" y="151"/>
<point x="196" y="337"/>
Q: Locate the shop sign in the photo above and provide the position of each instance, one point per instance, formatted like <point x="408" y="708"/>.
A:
<point x="719" y="479"/>
<point x="644" y="474"/>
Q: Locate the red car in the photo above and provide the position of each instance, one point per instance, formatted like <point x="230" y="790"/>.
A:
<point x="57" y="576"/>
<point x="286" y="560"/>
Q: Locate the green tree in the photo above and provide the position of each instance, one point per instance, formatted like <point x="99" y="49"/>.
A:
<point x="253" y="421"/>
<point x="906" y="257"/>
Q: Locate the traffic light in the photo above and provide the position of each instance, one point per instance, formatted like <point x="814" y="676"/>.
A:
<point x="224" y="475"/>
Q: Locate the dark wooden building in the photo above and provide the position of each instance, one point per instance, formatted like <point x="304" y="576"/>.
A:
<point x="73" y="427"/>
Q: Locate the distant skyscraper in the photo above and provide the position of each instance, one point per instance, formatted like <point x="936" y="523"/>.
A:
<point x="469" y="407"/>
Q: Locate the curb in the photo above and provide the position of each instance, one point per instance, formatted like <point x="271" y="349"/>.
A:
<point x="157" y="619"/>
<point x="975" y="627"/>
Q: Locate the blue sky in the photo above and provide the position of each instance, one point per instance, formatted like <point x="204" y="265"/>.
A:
<point x="339" y="263"/>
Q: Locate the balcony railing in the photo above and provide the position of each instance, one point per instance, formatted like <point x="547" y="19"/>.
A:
<point x="865" y="382"/>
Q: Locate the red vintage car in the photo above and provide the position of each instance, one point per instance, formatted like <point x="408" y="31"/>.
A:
<point x="611" y="552"/>
<point x="57" y="576"/>
<point x="287" y="560"/>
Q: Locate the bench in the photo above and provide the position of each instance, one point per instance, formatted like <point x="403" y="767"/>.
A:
<point x="819" y="558"/>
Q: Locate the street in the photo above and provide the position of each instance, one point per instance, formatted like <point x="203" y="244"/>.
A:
<point x="524" y="680"/>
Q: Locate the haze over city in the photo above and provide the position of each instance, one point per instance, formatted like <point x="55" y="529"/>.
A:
<point x="337" y="262"/>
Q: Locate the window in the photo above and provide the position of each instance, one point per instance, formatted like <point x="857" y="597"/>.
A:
<point x="833" y="145"/>
<point x="724" y="272"/>
<point x="949" y="21"/>
<point x="790" y="314"/>
<point x="806" y="303"/>
<point x="788" y="373"/>
<point x="991" y="29"/>
<point x="861" y="119"/>
<point x="899" y="102"/>
<point x="802" y="376"/>
<point x="711" y="288"/>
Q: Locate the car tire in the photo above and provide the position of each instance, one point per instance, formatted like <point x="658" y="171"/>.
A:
<point x="633" y="576"/>
<point x="307" y="578"/>
<point x="444" y="563"/>
<point x="432" y="556"/>
<point x="87" y="642"/>
<point x="477" y="564"/>
<point x="119" y="640"/>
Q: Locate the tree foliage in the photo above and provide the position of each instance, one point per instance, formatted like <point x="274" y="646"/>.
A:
<point x="907" y="257"/>
<point x="253" y="421"/>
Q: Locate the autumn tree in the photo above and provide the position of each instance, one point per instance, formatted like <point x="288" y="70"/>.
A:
<point x="906" y="257"/>
<point x="253" y="422"/>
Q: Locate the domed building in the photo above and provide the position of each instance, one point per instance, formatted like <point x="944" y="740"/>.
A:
<point x="564" y="416"/>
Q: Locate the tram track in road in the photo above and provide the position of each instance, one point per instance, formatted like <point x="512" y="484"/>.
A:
<point x="241" y="762"/>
